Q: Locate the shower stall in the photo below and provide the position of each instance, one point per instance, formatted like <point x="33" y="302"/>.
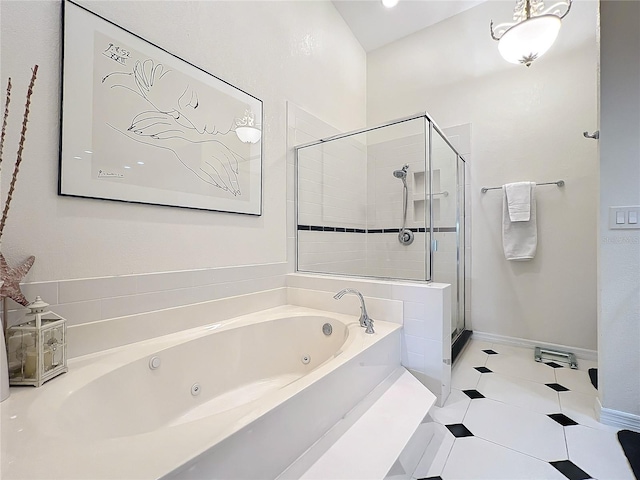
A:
<point x="386" y="202"/>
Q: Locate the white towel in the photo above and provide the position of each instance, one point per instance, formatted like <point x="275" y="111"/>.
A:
<point x="519" y="200"/>
<point x="519" y="239"/>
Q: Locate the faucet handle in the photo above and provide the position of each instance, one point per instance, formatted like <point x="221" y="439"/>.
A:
<point x="363" y="319"/>
<point x="369" y="324"/>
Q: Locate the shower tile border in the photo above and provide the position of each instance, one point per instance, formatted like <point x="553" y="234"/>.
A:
<point x="324" y="228"/>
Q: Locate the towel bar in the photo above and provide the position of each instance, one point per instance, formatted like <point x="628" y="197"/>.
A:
<point x="559" y="183"/>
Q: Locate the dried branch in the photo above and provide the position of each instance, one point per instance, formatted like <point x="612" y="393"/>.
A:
<point x="23" y="133"/>
<point x="4" y="120"/>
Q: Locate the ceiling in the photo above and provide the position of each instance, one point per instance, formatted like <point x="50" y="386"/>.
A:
<point x="374" y="25"/>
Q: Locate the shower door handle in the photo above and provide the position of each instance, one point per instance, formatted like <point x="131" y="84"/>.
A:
<point x="434" y="245"/>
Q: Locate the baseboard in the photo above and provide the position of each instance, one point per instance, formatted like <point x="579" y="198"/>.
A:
<point x="616" y="418"/>
<point x="582" y="353"/>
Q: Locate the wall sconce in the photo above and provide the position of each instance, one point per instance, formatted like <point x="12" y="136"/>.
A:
<point x="246" y="129"/>
<point x="533" y="31"/>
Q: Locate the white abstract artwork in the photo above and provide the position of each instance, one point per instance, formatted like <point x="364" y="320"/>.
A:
<point x="142" y="125"/>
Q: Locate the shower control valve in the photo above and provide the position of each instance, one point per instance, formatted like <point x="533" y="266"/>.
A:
<point x="406" y="237"/>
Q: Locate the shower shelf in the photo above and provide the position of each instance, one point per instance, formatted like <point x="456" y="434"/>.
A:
<point x="437" y="195"/>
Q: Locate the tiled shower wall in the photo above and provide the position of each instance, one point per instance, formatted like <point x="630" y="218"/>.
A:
<point x="386" y="256"/>
<point x="378" y="253"/>
<point x="370" y="250"/>
<point x="332" y="195"/>
<point x="426" y="307"/>
<point x="346" y="190"/>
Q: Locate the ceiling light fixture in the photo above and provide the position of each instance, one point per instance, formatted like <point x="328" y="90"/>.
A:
<point x="390" y="3"/>
<point x="533" y="31"/>
<point x="246" y="129"/>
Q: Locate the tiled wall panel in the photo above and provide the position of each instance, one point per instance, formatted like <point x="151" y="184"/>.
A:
<point x="90" y="299"/>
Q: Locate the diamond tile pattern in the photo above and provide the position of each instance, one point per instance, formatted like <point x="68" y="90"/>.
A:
<point x="473" y="458"/>
<point x="571" y="470"/>
<point x="532" y="420"/>
<point x="525" y="431"/>
<point x="459" y="430"/>
<point x="557" y="387"/>
<point x="473" y="394"/>
<point x="554" y="364"/>
<point x="562" y="419"/>
<point x="522" y="366"/>
<point x="520" y="392"/>
<point x="598" y="452"/>
<point x="483" y="370"/>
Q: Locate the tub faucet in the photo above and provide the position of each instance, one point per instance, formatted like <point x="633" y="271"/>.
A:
<point x="365" y="320"/>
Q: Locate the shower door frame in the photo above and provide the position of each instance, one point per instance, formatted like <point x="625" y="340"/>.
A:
<point x="461" y="215"/>
<point x="428" y="138"/>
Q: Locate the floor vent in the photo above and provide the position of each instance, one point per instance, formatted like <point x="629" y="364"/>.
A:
<point x="560" y="356"/>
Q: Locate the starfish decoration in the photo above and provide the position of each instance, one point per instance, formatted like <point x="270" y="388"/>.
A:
<point x="12" y="277"/>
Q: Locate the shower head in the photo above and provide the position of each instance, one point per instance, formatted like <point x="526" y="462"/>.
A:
<point x="401" y="173"/>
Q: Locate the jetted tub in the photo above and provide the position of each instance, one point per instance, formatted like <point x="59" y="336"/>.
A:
<point x="241" y="398"/>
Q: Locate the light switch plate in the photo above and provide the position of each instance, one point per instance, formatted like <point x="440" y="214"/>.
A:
<point x="622" y="213"/>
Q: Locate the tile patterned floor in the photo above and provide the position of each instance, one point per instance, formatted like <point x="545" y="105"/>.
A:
<point x="511" y="418"/>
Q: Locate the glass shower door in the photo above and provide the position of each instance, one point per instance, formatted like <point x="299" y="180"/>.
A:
<point x="447" y="199"/>
<point x="361" y="204"/>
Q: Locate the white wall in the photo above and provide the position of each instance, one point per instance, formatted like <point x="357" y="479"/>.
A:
<point x="619" y="250"/>
<point x="277" y="51"/>
<point x="526" y="125"/>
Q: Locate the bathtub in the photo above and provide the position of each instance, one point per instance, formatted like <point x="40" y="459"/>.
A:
<point x="243" y="398"/>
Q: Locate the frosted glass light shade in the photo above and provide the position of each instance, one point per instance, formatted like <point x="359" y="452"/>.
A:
<point x="390" y="3"/>
<point x="248" y="134"/>
<point x="530" y="39"/>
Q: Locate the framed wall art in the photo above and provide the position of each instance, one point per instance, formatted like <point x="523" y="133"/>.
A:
<point x="141" y="125"/>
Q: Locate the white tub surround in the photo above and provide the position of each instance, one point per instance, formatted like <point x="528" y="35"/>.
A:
<point x="112" y="416"/>
<point x="86" y="300"/>
<point x="101" y="335"/>
<point x="426" y="318"/>
<point x="383" y="433"/>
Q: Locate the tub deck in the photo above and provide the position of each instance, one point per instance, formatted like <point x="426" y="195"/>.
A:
<point x="36" y="444"/>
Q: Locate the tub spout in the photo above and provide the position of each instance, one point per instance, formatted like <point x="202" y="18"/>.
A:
<point x="365" y="320"/>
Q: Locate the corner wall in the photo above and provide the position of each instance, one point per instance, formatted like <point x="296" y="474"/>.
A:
<point x="527" y="124"/>
<point x="619" y="250"/>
